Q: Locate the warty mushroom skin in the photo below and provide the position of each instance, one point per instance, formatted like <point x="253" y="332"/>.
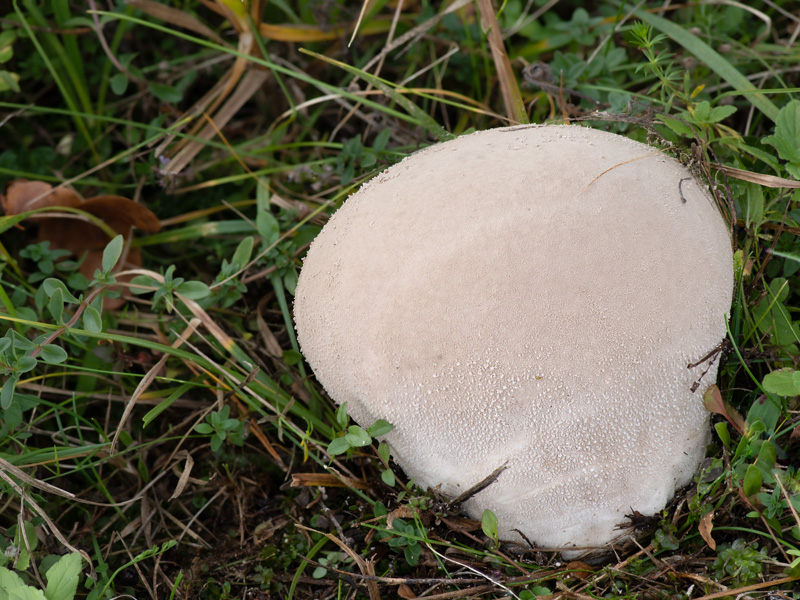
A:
<point x="528" y="296"/>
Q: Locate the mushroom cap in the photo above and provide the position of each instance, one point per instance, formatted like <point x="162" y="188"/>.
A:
<point x="528" y="296"/>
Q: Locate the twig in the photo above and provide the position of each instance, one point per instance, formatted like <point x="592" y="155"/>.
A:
<point x="479" y="487"/>
<point x="749" y="588"/>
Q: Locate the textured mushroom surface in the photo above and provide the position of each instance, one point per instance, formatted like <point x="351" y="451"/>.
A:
<point x="529" y="296"/>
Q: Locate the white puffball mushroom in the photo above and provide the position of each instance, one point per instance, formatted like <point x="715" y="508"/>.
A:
<point x="529" y="296"/>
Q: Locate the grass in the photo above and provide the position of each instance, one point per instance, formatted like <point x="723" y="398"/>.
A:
<point x="177" y="442"/>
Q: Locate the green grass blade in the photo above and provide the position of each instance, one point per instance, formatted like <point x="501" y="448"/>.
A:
<point x="299" y="75"/>
<point x="422" y="118"/>
<point x="7" y="223"/>
<point x="197" y="231"/>
<point x="303" y="564"/>
<point x="63" y="88"/>
<point x="165" y="403"/>
<point x="71" y="57"/>
<point x="262" y="384"/>
<point x="108" y="66"/>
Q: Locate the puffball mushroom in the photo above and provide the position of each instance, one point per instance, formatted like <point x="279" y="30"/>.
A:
<point x="531" y="297"/>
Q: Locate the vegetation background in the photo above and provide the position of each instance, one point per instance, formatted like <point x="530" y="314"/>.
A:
<point x="165" y="166"/>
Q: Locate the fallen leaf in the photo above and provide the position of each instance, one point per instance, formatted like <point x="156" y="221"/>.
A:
<point x="716" y="404"/>
<point x="78" y="236"/>
<point x="73" y="233"/>
<point x="23" y="195"/>
<point x="405" y="592"/>
<point x="121" y="213"/>
<point x="759" y="178"/>
<point x="705" y="526"/>
<point x="579" y="569"/>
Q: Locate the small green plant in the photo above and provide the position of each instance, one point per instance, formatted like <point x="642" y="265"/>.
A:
<point x="387" y="475"/>
<point x="49" y="262"/>
<point x="702" y="115"/>
<point x="14" y="550"/>
<point x="664" y="537"/>
<point x="62" y="573"/>
<point x="783" y="382"/>
<point x="220" y="426"/>
<point x="19" y="355"/>
<point x="659" y="64"/>
<point x="534" y="592"/>
<point x="354" y="436"/>
<point x="165" y="288"/>
<point x="489" y="525"/>
<point x="8" y="80"/>
<point x="786" y="136"/>
<point x="62" y="581"/>
<point x="335" y="560"/>
<point x="741" y="561"/>
<point x="227" y="289"/>
<point x="401" y="534"/>
<point x="406" y="536"/>
<point x="355" y="156"/>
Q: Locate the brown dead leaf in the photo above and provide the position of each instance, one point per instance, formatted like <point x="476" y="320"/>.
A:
<point x="73" y="233"/>
<point x="78" y="236"/>
<point x="715" y="403"/>
<point x="23" y="195"/>
<point x="121" y="213"/>
<point x="579" y="569"/>
<point x="759" y="178"/>
<point x="183" y="476"/>
<point x="81" y="237"/>
<point x="705" y="526"/>
<point x="405" y="592"/>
